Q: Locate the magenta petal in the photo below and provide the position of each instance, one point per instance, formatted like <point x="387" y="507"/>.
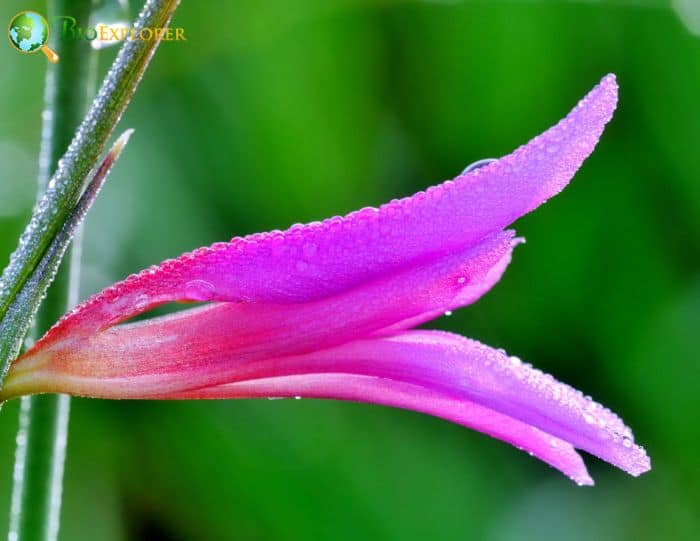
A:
<point x="451" y="377"/>
<point x="554" y="451"/>
<point x="310" y="262"/>
<point x="466" y="370"/>
<point x="457" y="370"/>
<point x="149" y="357"/>
<point x="429" y="371"/>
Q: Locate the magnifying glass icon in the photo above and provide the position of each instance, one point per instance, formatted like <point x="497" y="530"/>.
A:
<point x="29" y="32"/>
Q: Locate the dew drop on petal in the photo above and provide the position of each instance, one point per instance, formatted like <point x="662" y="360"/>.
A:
<point x="141" y="302"/>
<point x="199" y="290"/>
<point x="477" y="165"/>
<point x="589" y="418"/>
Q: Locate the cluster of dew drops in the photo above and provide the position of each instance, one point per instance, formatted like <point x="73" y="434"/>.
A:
<point x="609" y="425"/>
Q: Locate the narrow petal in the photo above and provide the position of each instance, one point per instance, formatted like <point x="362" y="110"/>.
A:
<point x="150" y="356"/>
<point x="556" y="452"/>
<point x="318" y="260"/>
<point x="452" y="368"/>
<point x="429" y="371"/>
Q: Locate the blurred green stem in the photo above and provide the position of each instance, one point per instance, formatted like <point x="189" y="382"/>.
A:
<point x="41" y="440"/>
<point x="43" y="423"/>
<point x="66" y="185"/>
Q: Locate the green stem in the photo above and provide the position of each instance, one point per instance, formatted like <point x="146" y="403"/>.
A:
<point x="43" y="422"/>
<point x="41" y="440"/>
<point x="73" y="168"/>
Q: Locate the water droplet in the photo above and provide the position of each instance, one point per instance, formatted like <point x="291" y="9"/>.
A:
<point x="448" y="313"/>
<point x="141" y="302"/>
<point x="477" y="165"/>
<point x="200" y="290"/>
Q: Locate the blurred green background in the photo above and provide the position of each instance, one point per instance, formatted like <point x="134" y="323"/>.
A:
<point x="295" y="110"/>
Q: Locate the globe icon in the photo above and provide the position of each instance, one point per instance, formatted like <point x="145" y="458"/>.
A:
<point x="28" y="33"/>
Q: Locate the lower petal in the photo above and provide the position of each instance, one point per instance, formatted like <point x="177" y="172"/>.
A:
<point x="457" y="370"/>
<point x="434" y="372"/>
<point x="556" y="452"/>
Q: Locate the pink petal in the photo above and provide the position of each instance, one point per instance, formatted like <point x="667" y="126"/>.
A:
<point x="310" y="262"/>
<point x="448" y="376"/>
<point x="428" y="371"/>
<point x="555" y="452"/>
<point x="149" y="357"/>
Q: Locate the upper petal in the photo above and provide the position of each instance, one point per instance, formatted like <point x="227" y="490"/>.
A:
<point x="309" y="262"/>
<point x="201" y="346"/>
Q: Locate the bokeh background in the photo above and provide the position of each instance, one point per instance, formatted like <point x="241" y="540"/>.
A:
<point x="276" y="112"/>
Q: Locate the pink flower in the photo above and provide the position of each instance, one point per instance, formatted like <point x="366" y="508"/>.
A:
<point x="324" y="310"/>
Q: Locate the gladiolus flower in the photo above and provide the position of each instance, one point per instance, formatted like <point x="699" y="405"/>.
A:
<point x="325" y="310"/>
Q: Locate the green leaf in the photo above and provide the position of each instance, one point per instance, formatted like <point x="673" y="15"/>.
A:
<point x="66" y="185"/>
